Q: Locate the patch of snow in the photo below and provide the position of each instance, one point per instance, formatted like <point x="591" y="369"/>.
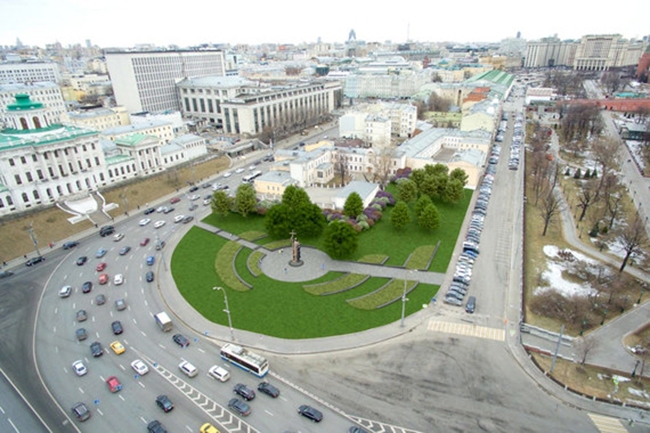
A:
<point x="621" y="378"/>
<point x="639" y="393"/>
<point x="553" y="273"/>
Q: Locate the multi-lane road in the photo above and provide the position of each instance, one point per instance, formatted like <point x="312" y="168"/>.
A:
<point x="449" y="372"/>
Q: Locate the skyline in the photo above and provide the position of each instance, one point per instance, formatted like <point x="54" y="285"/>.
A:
<point x="126" y="24"/>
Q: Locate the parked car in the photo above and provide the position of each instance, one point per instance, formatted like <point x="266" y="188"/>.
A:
<point x="34" y="260"/>
<point x="69" y="245"/>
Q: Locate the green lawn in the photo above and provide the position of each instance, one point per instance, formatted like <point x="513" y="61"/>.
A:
<point x="286" y="310"/>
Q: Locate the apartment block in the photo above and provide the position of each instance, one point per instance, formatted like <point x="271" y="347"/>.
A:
<point x="146" y="80"/>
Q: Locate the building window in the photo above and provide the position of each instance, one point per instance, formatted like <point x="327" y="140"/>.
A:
<point x="11" y="162"/>
<point x="18" y="179"/>
<point x="29" y="176"/>
<point x="25" y="198"/>
<point x="36" y="196"/>
<point x="39" y="173"/>
<point x="34" y="158"/>
<point x="23" y="160"/>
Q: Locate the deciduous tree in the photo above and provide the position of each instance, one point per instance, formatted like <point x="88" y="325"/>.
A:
<point x="400" y="215"/>
<point x="429" y="219"/>
<point x="633" y="239"/>
<point x="340" y="239"/>
<point x="407" y="190"/>
<point x="245" y="199"/>
<point x="221" y="203"/>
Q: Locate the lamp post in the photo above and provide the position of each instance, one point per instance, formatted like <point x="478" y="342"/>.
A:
<point x="404" y="299"/>
<point x="227" y="311"/>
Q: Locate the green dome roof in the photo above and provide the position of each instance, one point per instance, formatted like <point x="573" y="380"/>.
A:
<point x="23" y="103"/>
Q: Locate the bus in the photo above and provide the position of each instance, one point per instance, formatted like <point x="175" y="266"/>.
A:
<point x="245" y="359"/>
<point x="250" y="177"/>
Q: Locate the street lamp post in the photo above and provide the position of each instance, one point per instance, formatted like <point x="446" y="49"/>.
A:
<point x="404" y="299"/>
<point x="227" y="311"/>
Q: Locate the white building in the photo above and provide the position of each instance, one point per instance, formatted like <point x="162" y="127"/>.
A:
<point x="47" y="93"/>
<point x="42" y="162"/>
<point x="98" y="119"/>
<point x="28" y="72"/>
<point x="146" y="80"/>
<point x="377" y="123"/>
<point x="160" y="129"/>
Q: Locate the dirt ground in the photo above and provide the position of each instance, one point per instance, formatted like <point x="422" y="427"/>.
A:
<point x="52" y="225"/>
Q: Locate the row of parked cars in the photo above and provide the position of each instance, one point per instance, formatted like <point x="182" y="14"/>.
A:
<point x="457" y="290"/>
<point x="515" y="146"/>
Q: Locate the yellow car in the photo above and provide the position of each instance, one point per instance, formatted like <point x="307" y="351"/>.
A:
<point x="117" y="347"/>
<point x="208" y="428"/>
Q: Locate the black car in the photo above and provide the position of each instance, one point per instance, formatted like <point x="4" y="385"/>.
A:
<point x="5" y="274"/>
<point x="81" y="334"/>
<point x="106" y="230"/>
<point x="87" y="287"/>
<point x="34" y="260"/>
<point x="246" y="393"/>
<point x="149" y="276"/>
<point x="268" y="389"/>
<point x="206" y="185"/>
<point x="117" y="327"/>
<point x="239" y="406"/>
<point x="96" y="349"/>
<point x="149" y="210"/>
<point x="355" y="429"/>
<point x="181" y="340"/>
<point x="164" y="403"/>
<point x="156" y="427"/>
<point x="310" y="413"/>
<point x="194" y="188"/>
<point x="82" y="260"/>
<point x="81" y="411"/>
<point x="69" y="245"/>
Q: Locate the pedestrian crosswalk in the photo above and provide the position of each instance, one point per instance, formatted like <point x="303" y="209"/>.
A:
<point x="606" y="424"/>
<point x="466" y="329"/>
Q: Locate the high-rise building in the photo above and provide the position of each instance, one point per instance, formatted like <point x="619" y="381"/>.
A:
<point x="28" y="72"/>
<point x="146" y="80"/>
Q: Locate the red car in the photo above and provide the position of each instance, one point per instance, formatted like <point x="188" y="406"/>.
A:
<point x="175" y="200"/>
<point x="113" y="384"/>
<point x="101" y="267"/>
<point x="144" y="242"/>
<point x="103" y="279"/>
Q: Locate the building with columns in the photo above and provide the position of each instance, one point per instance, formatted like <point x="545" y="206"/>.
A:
<point x="48" y="93"/>
<point x="41" y="161"/>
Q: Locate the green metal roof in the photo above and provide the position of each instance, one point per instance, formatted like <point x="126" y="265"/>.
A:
<point x="133" y="139"/>
<point x="14" y="138"/>
<point x="495" y="76"/>
<point x="24" y="103"/>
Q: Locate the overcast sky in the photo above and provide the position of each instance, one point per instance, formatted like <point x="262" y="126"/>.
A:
<point x="125" y="23"/>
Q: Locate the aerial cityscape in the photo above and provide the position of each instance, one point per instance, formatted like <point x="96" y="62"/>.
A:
<point x="290" y="220"/>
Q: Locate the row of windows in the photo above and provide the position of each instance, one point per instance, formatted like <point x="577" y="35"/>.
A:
<point x="46" y="155"/>
<point x="39" y="173"/>
<point x="36" y="196"/>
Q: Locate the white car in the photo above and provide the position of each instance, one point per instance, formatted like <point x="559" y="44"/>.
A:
<point x="178" y="218"/>
<point x="65" y="291"/>
<point x="207" y="201"/>
<point x="160" y="209"/>
<point x="140" y="367"/>
<point x="252" y="168"/>
<point x="239" y="170"/>
<point x="195" y="197"/>
<point x="119" y="279"/>
<point x="144" y="221"/>
<point x="118" y="237"/>
<point x="227" y="174"/>
<point x="79" y="368"/>
<point x="159" y="224"/>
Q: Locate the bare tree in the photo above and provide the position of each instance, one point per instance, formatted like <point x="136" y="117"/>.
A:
<point x="605" y="151"/>
<point x="539" y="173"/>
<point x="549" y="209"/>
<point x="587" y="197"/>
<point x="611" y="81"/>
<point x="583" y="346"/>
<point x="342" y="167"/>
<point x="633" y="239"/>
<point x="612" y="195"/>
<point x="382" y="163"/>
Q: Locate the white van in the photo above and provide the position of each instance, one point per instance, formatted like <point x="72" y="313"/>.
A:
<point x="188" y="369"/>
<point x="221" y="374"/>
